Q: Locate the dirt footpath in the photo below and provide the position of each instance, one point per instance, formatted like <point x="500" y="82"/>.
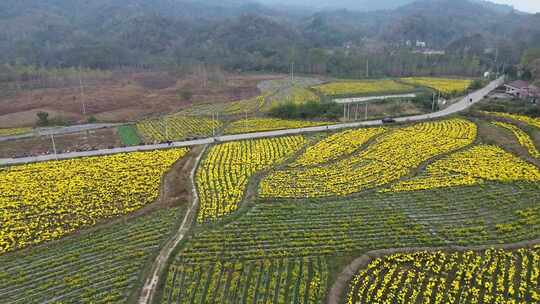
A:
<point x="171" y="194"/>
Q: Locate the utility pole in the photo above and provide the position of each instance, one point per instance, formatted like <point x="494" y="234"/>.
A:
<point x="496" y="61"/>
<point x="213" y="124"/>
<point x="54" y="146"/>
<point x="292" y="72"/>
<point x="216" y="122"/>
<point x="81" y="87"/>
<point x="166" y="129"/>
<point x="433" y="104"/>
<point x="365" y="114"/>
<point x="367" y="68"/>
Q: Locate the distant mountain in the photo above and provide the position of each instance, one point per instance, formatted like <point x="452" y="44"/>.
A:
<point x="356" y="5"/>
<point x="438" y="22"/>
<point x="245" y="34"/>
<point x="501" y="8"/>
<point x="369" y="5"/>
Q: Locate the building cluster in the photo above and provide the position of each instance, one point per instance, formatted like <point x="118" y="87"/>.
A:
<point x="523" y="90"/>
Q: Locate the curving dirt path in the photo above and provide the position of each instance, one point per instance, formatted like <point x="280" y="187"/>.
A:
<point x="342" y="281"/>
<point x="148" y="291"/>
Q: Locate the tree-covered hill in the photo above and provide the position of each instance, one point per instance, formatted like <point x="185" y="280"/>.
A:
<point x="247" y="35"/>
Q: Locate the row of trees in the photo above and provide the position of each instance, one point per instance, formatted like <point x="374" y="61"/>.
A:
<point x="530" y="65"/>
<point x="19" y="77"/>
<point x="246" y="43"/>
<point x="166" y="34"/>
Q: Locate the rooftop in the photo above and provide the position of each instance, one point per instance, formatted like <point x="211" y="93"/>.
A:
<point x="519" y="84"/>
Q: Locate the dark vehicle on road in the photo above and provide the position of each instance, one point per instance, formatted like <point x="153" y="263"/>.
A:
<point x="388" y="120"/>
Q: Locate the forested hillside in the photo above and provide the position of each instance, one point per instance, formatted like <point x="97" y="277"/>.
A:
<point x="243" y="35"/>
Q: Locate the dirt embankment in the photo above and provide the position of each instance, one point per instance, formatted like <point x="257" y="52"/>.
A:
<point x="176" y="185"/>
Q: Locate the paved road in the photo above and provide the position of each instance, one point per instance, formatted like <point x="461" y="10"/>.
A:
<point x="59" y="131"/>
<point x="459" y="106"/>
<point x="372" y="98"/>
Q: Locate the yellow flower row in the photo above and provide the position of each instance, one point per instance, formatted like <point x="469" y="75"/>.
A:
<point x="14" y="131"/>
<point x="45" y="201"/>
<point x="442" y="277"/>
<point x="443" y="85"/>
<point x="296" y="95"/>
<point x="224" y="174"/>
<point x="248" y="105"/>
<point x="302" y="95"/>
<point x="388" y="159"/>
<point x="365" y="87"/>
<point x="251" y="105"/>
<point x="175" y="127"/>
<point x="535" y="122"/>
<point x="293" y="280"/>
<point x="470" y="167"/>
<point x="336" y="146"/>
<point x="268" y="124"/>
<point x="523" y="138"/>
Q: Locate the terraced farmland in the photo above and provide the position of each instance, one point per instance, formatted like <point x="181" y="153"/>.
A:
<point x="46" y="201"/>
<point x="289" y="280"/>
<point x="391" y="157"/>
<point x="364" y="87"/>
<point x="473" y="166"/>
<point x="489" y="276"/>
<point x="101" y="266"/>
<point x="278" y="219"/>
<point x="448" y="86"/>
<point x="535" y="122"/>
<point x="499" y="207"/>
<point x="240" y="107"/>
<point x="522" y="137"/>
<point x="224" y="174"/>
<point x="177" y="127"/>
<point x="490" y="213"/>
<point x="268" y="124"/>
<point x="297" y="95"/>
<point x="378" y="220"/>
<point x="333" y="147"/>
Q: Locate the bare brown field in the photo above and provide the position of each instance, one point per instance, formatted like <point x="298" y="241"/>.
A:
<point x="127" y="97"/>
<point x="95" y="139"/>
<point x="28" y="118"/>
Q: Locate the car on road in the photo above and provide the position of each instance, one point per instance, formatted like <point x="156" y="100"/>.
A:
<point x="388" y="120"/>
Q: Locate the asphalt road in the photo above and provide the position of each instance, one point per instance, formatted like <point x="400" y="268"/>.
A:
<point x="457" y="107"/>
<point x="372" y="98"/>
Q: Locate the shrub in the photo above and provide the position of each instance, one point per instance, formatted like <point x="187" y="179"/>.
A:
<point x="92" y="119"/>
<point x="43" y="118"/>
<point x="308" y="110"/>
